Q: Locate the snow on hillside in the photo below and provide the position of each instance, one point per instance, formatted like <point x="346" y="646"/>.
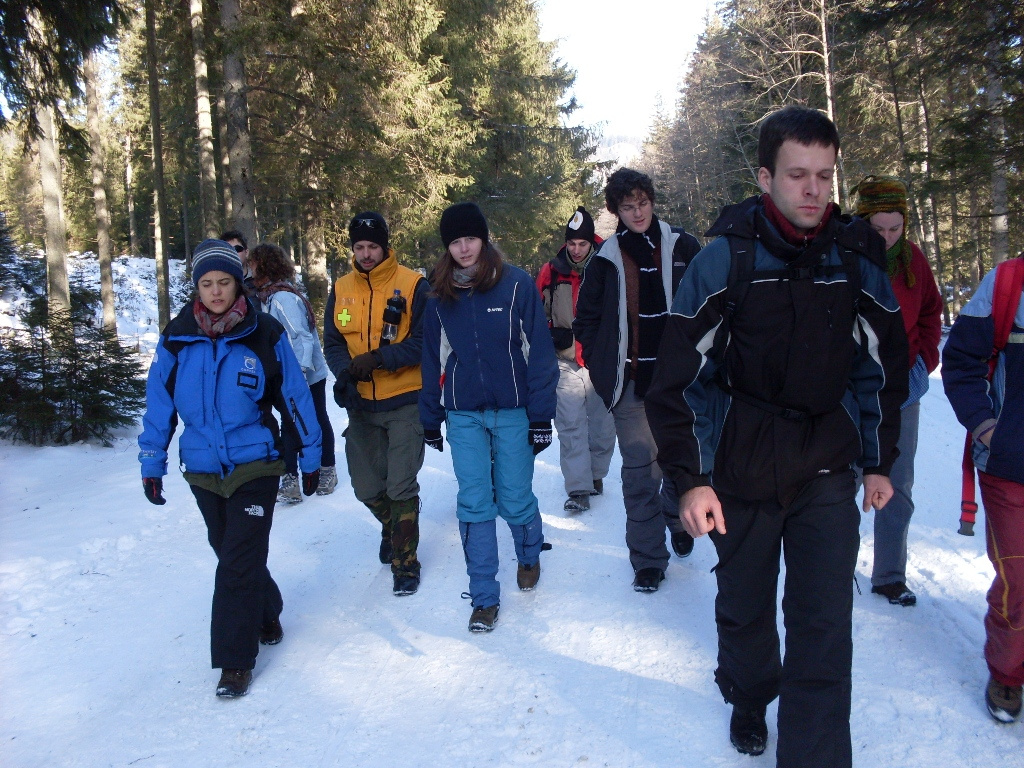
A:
<point x="105" y="600"/>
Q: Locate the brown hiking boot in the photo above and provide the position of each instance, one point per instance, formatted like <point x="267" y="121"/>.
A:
<point x="527" y="576"/>
<point x="234" y="683"/>
<point x="1003" y="701"/>
<point x="271" y="633"/>
<point x="483" y="619"/>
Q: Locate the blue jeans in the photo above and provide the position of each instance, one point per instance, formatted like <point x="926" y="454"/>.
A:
<point x="493" y="462"/>
<point x="892" y="522"/>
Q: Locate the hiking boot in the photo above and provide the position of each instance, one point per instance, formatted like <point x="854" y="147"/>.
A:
<point x="328" y="481"/>
<point x="1003" y="701"/>
<point x="483" y="619"/>
<point x="527" y="576"/>
<point x="896" y="593"/>
<point x="386" y="553"/>
<point x="271" y="633"/>
<point x="682" y="543"/>
<point x="748" y="731"/>
<point x="578" y="501"/>
<point x="234" y="683"/>
<point x="289" y="492"/>
<point x="598" y="487"/>
<point x="406" y="584"/>
<point x="648" y="579"/>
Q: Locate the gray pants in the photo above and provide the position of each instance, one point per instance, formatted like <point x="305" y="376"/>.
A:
<point x="385" y="453"/>
<point x="586" y="430"/>
<point x="893" y="521"/>
<point x="651" y="504"/>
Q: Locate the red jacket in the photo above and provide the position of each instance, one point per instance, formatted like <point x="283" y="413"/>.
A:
<point x="922" y="309"/>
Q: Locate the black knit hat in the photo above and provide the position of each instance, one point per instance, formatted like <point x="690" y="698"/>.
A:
<point x="371" y="226"/>
<point x="463" y="220"/>
<point x="580" y="226"/>
<point x="211" y="255"/>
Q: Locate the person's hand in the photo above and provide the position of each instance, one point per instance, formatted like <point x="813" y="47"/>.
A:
<point x="310" y="482"/>
<point x="701" y="512"/>
<point x="877" y="492"/>
<point x="153" y="487"/>
<point x="432" y="437"/>
<point x="362" y="366"/>
<point x="540" y="435"/>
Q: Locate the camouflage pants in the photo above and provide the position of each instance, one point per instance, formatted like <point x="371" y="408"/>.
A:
<point x="400" y="520"/>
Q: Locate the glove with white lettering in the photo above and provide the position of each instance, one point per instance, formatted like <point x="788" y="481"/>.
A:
<point x="540" y="435"/>
<point x="310" y="482"/>
<point x="432" y="437"/>
<point x="153" y="487"/>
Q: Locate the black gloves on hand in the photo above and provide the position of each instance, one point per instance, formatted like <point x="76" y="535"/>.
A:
<point x="540" y="435"/>
<point x="562" y="338"/>
<point x="432" y="437"/>
<point x="153" y="487"/>
<point x="362" y="366"/>
<point x="310" y="482"/>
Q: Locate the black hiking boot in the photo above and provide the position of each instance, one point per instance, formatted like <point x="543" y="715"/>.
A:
<point x="234" y="683"/>
<point x="598" y="487"/>
<point x="648" y="579"/>
<point x="271" y="633"/>
<point x="682" y="543"/>
<point x="578" y="501"/>
<point x="1003" y="701"/>
<point x="748" y="731"/>
<point x="386" y="552"/>
<point x="896" y="593"/>
<point x="406" y="584"/>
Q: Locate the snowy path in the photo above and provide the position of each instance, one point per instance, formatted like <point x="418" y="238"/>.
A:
<point x="104" y="609"/>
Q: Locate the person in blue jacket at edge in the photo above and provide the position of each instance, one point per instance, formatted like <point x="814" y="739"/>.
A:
<point x="490" y="373"/>
<point x="221" y="365"/>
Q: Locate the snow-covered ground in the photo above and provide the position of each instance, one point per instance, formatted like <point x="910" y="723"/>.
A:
<point x="104" y="642"/>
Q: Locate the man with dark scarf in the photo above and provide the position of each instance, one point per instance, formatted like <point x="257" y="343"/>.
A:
<point x="623" y="303"/>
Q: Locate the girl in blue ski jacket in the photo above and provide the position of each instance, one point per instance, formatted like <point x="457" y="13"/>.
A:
<point x="489" y="373"/>
<point x="221" y="365"/>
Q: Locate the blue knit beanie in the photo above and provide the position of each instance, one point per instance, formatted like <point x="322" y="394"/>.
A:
<point x="211" y="255"/>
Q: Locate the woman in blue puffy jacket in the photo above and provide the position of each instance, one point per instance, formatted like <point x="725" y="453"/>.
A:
<point x="489" y="373"/>
<point x="221" y="365"/>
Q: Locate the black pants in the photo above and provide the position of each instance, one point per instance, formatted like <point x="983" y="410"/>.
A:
<point x="244" y="594"/>
<point x="818" y="535"/>
<point x="290" y="445"/>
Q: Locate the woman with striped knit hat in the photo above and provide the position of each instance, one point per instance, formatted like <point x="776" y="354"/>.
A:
<point x="882" y="201"/>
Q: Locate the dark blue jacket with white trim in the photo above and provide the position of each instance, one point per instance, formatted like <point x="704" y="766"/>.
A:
<point x="975" y="400"/>
<point x="487" y="351"/>
<point x="223" y="390"/>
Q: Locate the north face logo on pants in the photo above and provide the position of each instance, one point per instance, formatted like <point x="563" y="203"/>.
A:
<point x="255" y="510"/>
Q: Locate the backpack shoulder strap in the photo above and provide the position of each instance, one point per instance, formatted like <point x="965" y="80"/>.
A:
<point x="741" y="274"/>
<point x="1006" y="298"/>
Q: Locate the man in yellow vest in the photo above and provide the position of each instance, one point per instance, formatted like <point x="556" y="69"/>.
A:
<point x="373" y="336"/>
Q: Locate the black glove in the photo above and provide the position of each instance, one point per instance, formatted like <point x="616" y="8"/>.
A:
<point x="432" y="437"/>
<point x="540" y="435"/>
<point x="153" y="487"/>
<point x="562" y="338"/>
<point x="310" y="482"/>
<point x="362" y="366"/>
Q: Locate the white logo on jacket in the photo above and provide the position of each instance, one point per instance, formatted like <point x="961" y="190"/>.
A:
<point x="255" y="510"/>
<point x="495" y="309"/>
<point x="250" y="363"/>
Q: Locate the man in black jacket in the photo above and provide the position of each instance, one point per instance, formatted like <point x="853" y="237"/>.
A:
<point x="620" y="316"/>
<point x="784" y="361"/>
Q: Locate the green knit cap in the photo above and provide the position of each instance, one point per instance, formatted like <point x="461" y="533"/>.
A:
<point x="881" y="194"/>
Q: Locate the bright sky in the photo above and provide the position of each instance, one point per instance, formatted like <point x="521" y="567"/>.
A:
<point x="625" y="54"/>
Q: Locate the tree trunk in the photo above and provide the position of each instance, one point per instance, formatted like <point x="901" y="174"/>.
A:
<point x="58" y="293"/>
<point x="204" y="121"/>
<point x="99" y="194"/>
<point x="129" y="192"/>
<point x="315" y="273"/>
<point x="225" y="161"/>
<point x="1000" y="225"/>
<point x="840" y="191"/>
<point x="160" y="222"/>
<point x="243" y="201"/>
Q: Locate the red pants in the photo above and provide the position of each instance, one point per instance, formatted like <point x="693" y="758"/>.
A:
<point x="1004" y="622"/>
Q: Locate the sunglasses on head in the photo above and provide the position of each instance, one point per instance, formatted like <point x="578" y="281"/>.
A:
<point x="367" y="223"/>
<point x="238" y="248"/>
